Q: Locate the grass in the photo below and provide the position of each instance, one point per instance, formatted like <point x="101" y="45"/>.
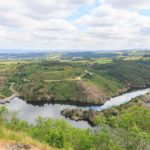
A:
<point x="21" y="137"/>
<point x="65" y="90"/>
<point x="103" y="61"/>
<point x="57" y="75"/>
<point x="108" y="86"/>
<point x="5" y="91"/>
<point x="2" y="96"/>
<point x="133" y="58"/>
<point x="14" y="62"/>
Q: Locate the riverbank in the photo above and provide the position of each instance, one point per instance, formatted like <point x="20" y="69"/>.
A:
<point x="90" y="115"/>
<point x="53" y="111"/>
<point x="79" y="102"/>
<point x="8" y="99"/>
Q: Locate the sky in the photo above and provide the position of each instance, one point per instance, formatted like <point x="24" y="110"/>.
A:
<point x="75" y="24"/>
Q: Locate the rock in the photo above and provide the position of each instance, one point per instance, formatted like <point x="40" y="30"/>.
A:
<point x="65" y="112"/>
<point x="6" y="145"/>
<point x="91" y="93"/>
<point x="148" y="97"/>
<point x="91" y="114"/>
<point x="75" y="118"/>
<point x="78" y="114"/>
<point x="18" y="146"/>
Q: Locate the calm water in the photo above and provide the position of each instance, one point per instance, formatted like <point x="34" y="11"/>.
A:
<point x="30" y="112"/>
<point x="122" y="99"/>
<point x="148" y="104"/>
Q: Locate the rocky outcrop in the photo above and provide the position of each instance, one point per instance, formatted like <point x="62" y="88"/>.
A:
<point x="87" y="115"/>
<point x="147" y="99"/>
<point x="18" y="147"/>
<point x="78" y="114"/>
<point x="4" y="145"/>
<point x="91" y="93"/>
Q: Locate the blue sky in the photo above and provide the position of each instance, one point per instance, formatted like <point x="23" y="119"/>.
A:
<point x="145" y="12"/>
<point x="74" y="24"/>
<point x="83" y="10"/>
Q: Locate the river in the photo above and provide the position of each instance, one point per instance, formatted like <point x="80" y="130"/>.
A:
<point x="30" y="112"/>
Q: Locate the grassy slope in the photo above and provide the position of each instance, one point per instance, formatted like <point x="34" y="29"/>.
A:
<point x="21" y="137"/>
<point x="6" y="68"/>
<point x="109" y="87"/>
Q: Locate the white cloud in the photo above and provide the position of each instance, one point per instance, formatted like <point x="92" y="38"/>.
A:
<point x="41" y="24"/>
<point x="129" y="4"/>
<point x="43" y="9"/>
<point x="122" y="25"/>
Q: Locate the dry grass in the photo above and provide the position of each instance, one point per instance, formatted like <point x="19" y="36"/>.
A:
<point x="133" y="58"/>
<point x="11" y="136"/>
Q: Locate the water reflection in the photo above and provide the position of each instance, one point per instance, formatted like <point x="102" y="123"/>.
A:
<point x="148" y="104"/>
<point x="116" y="101"/>
<point x="30" y="112"/>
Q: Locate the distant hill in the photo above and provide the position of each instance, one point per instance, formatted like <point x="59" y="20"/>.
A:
<point x="30" y="55"/>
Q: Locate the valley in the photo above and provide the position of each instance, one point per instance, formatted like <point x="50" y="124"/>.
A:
<point x="85" y="97"/>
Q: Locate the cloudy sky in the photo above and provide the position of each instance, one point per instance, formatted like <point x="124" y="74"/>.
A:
<point x="74" y="24"/>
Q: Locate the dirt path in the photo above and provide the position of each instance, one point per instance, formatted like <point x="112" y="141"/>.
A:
<point x="12" y="89"/>
<point x="8" y="99"/>
<point x="79" y="78"/>
<point x="69" y="79"/>
<point x="4" y="145"/>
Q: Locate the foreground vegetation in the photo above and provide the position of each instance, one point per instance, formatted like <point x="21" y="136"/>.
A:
<point x="11" y="136"/>
<point x="128" y="128"/>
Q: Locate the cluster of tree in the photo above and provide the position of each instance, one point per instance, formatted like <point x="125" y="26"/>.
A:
<point x="21" y="55"/>
<point x="133" y="73"/>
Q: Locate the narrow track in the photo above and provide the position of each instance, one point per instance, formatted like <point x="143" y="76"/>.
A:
<point x="8" y="99"/>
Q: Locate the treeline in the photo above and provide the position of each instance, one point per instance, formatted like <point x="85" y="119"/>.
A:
<point x="31" y="55"/>
<point x="89" y="55"/>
